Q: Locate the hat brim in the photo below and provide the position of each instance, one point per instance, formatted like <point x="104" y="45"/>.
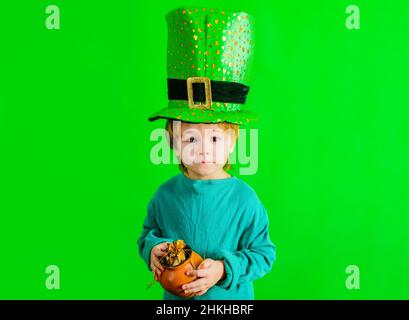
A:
<point x="194" y="115"/>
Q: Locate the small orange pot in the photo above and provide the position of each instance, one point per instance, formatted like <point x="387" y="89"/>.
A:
<point x="173" y="278"/>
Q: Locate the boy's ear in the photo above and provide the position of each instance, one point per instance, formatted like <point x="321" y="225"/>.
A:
<point x="176" y="147"/>
<point x="177" y="152"/>
<point x="167" y="134"/>
<point x="232" y="147"/>
<point x="232" y="142"/>
<point x="173" y="135"/>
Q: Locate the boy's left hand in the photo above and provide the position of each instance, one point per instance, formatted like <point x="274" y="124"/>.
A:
<point x="208" y="274"/>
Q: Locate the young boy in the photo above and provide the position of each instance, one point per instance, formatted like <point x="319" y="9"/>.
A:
<point x="218" y="215"/>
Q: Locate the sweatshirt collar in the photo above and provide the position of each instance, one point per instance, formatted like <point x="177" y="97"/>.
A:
<point x="201" y="185"/>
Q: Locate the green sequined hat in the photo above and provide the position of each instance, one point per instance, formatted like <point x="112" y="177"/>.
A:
<point x="208" y="58"/>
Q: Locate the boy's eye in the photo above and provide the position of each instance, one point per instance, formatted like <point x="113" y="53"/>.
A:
<point x="215" y="138"/>
<point x="190" y="139"/>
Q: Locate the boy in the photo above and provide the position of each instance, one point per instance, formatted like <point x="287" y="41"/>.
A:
<point x="218" y="215"/>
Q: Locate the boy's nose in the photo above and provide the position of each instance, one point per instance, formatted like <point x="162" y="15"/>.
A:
<point x="204" y="148"/>
<point x="204" y="155"/>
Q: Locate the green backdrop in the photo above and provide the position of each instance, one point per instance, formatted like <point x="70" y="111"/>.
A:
<point x="75" y="170"/>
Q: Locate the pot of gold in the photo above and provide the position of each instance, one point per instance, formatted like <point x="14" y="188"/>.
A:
<point x="178" y="259"/>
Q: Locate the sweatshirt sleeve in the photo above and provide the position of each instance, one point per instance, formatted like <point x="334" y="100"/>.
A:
<point x="151" y="235"/>
<point x="256" y="255"/>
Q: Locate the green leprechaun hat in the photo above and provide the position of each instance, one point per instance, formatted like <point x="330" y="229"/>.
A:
<point x="208" y="58"/>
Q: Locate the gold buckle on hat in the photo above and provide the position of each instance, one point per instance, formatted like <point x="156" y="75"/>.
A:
<point x="208" y="93"/>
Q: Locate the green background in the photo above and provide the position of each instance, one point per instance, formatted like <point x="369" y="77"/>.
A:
<point x="75" y="172"/>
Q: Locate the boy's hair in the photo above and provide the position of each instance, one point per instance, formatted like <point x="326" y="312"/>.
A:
<point x="223" y="125"/>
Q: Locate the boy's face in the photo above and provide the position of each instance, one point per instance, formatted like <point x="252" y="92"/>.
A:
<point x="205" y="148"/>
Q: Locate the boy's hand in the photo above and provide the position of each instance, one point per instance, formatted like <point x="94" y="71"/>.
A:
<point x="156" y="253"/>
<point x="208" y="274"/>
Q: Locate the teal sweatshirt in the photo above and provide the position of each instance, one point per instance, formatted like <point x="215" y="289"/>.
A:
<point x="221" y="219"/>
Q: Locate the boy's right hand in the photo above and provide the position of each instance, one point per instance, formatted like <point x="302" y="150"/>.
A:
<point x="156" y="253"/>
